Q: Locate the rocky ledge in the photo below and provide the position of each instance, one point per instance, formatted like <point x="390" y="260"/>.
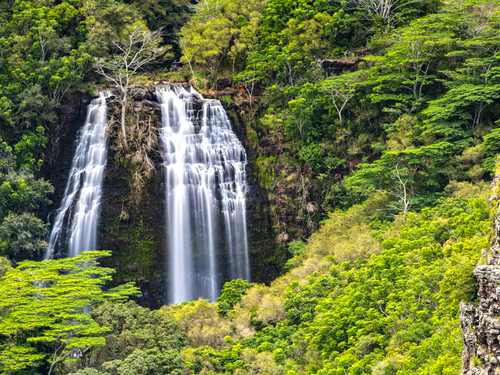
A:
<point x="481" y="322"/>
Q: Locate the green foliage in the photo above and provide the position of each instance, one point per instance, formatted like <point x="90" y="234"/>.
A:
<point x="28" y="147"/>
<point x="35" y="108"/>
<point x="491" y="148"/>
<point x="219" y="30"/>
<point x="137" y="256"/>
<point x="149" y="362"/>
<point x="312" y="155"/>
<point x="400" y="76"/>
<point x="45" y="303"/>
<point x="231" y="294"/>
<point x="411" y="107"/>
<point x="5" y="265"/>
<point x="201" y="322"/>
<point x="22" y="236"/>
<point x="395" y="311"/>
<point x="137" y="340"/>
<point x="19" y="190"/>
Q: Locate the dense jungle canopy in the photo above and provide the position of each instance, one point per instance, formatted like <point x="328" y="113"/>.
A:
<point x="371" y="126"/>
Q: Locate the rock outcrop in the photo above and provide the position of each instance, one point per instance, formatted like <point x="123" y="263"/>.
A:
<point x="135" y="232"/>
<point x="481" y="322"/>
<point x="59" y="153"/>
<point x="339" y="66"/>
<point x="133" y="226"/>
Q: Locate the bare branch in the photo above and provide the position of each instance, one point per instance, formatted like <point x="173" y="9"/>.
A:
<point x="140" y="49"/>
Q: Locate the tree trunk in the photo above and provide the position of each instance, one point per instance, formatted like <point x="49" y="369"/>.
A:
<point x="124" y="107"/>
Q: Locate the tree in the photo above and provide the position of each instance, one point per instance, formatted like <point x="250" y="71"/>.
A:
<point x="146" y="362"/>
<point x="22" y="236"/>
<point x="300" y="111"/>
<point x="219" y="30"/>
<point x="341" y="89"/>
<point x="231" y="295"/>
<point x="389" y="11"/>
<point x="140" y="49"/>
<point x="4" y="266"/>
<point x="132" y="329"/>
<point x="47" y="303"/>
<point x="405" y="167"/>
<point x="399" y="77"/>
<point x="472" y="88"/>
<point x="250" y="76"/>
<point x="19" y="190"/>
<point x="187" y="51"/>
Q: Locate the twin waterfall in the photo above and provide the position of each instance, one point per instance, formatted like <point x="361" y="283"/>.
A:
<point x="205" y="185"/>
<point x="75" y="226"/>
<point x="205" y="193"/>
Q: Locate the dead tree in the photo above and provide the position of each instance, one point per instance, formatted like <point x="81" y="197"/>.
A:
<point x="135" y="52"/>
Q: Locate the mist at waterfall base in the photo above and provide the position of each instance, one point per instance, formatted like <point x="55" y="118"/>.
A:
<point x="75" y="225"/>
<point x="205" y="183"/>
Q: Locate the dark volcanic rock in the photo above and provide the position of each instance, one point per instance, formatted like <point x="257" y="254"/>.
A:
<point x="59" y="154"/>
<point x="223" y="83"/>
<point x="150" y="106"/>
<point x="132" y="224"/>
<point x="222" y="93"/>
<point x="139" y="93"/>
<point x="336" y="67"/>
<point x="135" y="234"/>
<point x="481" y="322"/>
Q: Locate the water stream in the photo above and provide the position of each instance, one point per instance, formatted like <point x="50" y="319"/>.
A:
<point x="75" y="225"/>
<point x="205" y="195"/>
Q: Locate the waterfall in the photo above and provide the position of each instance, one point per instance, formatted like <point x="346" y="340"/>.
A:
<point x="205" y="183"/>
<point x="75" y="226"/>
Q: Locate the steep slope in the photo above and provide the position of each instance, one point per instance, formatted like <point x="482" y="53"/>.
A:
<point x="481" y="321"/>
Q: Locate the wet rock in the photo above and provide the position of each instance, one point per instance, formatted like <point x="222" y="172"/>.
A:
<point x="197" y="105"/>
<point x="58" y="158"/>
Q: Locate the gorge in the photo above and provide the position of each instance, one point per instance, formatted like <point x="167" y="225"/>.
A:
<point x="249" y="187"/>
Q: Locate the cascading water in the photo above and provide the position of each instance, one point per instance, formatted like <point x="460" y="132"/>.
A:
<point x="205" y="195"/>
<point x="75" y="226"/>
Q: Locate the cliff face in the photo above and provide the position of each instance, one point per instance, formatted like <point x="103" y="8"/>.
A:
<point x="59" y="153"/>
<point x="132" y="222"/>
<point x="481" y="322"/>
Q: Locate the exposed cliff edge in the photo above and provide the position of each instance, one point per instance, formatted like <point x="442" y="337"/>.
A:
<point x="481" y="321"/>
<point x="132" y="209"/>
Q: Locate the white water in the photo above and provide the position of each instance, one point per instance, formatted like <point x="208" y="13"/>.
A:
<point x="205" y="196"/>
<point x="75" y="226"/>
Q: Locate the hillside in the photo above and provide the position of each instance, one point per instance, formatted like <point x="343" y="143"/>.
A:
<point x="249" y="187"/>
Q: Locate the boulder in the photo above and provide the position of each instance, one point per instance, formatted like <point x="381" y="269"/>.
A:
<point x="139" y="93"/>
<point x="150" y="106"/>
<point x="223" y="83"/>
<point x="335" y="67"/>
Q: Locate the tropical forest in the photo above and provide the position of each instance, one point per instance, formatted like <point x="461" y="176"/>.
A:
<point x="250" y="187"/>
